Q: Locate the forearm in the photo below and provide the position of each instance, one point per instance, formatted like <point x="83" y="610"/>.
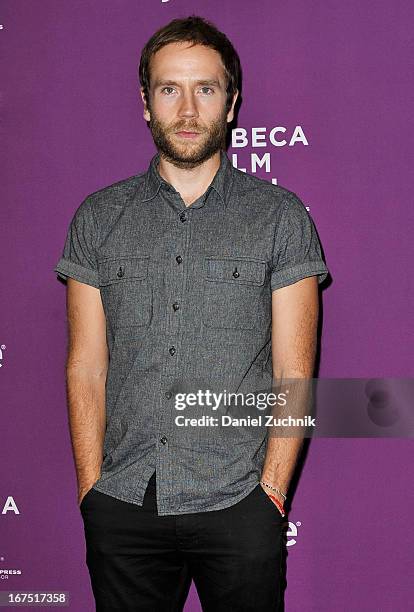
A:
<point x="284" y="443"/>
<point x="294" y="338"/>
<point x="280" y="461"/>
<point x="86" y="411"/>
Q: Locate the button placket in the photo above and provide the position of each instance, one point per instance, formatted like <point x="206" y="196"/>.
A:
<point x="177" y="279"/>
<point x="183" y="216"/>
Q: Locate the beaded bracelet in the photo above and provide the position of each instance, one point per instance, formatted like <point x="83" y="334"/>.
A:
<point x="273" y="489"/>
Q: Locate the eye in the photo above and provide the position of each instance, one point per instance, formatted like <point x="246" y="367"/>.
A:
<point x="167" y="87"/>
<point x="209" y="88"/>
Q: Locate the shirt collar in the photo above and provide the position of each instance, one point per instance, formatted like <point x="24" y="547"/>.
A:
<point x="220" y="183"/>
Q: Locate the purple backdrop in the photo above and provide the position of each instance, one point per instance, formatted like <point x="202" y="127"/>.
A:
<point x="72" y="123"/>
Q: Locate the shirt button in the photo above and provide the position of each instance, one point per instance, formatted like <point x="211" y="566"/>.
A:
<point x="178" y="259"/>
<point x="176" y="306"/>
<point x="171" y="350"/>
<point x="163" y="440"/>
<point x="168" y="394"/>
<point x="183" y="216"/>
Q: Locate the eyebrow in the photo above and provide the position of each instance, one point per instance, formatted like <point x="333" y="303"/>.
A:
<point x="214" y="82"/>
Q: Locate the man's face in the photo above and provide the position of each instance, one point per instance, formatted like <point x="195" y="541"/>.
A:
<point x="187" y="99"/>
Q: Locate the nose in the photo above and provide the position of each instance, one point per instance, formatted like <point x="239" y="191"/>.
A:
<point x="188" y="106"/>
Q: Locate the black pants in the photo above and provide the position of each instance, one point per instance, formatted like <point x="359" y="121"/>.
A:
<point x="139" y="561"/>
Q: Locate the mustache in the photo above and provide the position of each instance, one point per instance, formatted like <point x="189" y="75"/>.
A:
<point x="186" y="127"/>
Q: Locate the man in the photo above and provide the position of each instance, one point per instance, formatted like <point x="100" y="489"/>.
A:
<point x="189" y="277"/>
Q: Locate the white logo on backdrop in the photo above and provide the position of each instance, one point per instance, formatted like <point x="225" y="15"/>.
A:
<point x="259" y="137"/>
<point x="292" y="533"/>
<point x="6" y="572"/>
<point x="10" y="506"/>
<point x="2" y="347"/>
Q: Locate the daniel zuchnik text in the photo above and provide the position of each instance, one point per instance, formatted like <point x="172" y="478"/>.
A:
<point x="228" y="421"/>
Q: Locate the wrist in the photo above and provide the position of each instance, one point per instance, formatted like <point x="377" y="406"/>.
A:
<point x="274" y="489"/>
<point x="87" y="483"/>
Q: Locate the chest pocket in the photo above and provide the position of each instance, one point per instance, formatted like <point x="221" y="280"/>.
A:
<point x="235" y="293"/>
<point x="125" y="291"/>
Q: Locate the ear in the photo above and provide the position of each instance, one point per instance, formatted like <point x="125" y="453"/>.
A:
<point x="230" y="114"/>
<point x="146" y="113"/>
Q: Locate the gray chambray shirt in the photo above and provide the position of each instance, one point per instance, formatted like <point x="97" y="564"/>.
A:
<point x="187" y="294"/>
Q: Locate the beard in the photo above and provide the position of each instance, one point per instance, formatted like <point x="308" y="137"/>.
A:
<point x="192" y="153"/>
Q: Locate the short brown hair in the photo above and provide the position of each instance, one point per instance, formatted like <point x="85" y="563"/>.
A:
<point x="198" y="31"/>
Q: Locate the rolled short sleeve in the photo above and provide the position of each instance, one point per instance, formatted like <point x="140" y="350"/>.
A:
<point x="297" y="250"/>
<point x="78" y="259"/>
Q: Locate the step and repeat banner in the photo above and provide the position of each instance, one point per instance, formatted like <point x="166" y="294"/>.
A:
<point x="326" y="111"/>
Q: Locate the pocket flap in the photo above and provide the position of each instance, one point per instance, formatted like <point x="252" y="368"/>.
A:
<point x="123" y="268"/>
<point x="236" y="270"/>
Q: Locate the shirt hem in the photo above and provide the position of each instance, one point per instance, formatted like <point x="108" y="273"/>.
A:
<point x="231" y="502"/>
<point x="129" y="501"/>
<point x="228" y="504"/>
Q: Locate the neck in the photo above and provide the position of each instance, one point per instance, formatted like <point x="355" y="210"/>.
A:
<point x="190" y="183"/>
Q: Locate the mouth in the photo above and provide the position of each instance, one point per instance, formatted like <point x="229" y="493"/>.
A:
<point x="184" y="134"/>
